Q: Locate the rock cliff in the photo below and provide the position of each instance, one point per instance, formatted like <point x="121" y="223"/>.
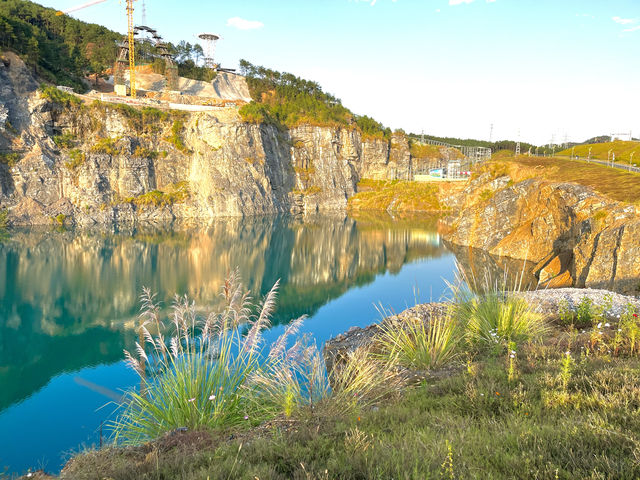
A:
<point x="77" y="161"/>
<point x="569" y="234"/>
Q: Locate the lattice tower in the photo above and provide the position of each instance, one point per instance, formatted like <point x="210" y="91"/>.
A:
<point x="210" y="40"/>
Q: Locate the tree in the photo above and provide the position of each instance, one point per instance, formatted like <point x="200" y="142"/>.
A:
<point x="33" y="53"/>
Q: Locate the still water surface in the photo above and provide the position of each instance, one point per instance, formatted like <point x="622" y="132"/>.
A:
<point x="69" y="305"/>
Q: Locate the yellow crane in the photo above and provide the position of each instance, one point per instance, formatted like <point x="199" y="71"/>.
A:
<point x="130" y="35"/>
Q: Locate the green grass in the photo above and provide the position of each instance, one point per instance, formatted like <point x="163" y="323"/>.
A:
<point x="395" y="195"/>
<point x="614" y="183"/>
<point x="107" y="146"/>
<point x="175" y="138"/>
<point x="76" y="159"/>
<point x="561" y="408"/>
<point x="66" y="140"/>
<point x="174" y="193"/>
<point x="58" y="96"/>
<point x="622" y="150"/>
<point x="526" y="428"/>
<point x="421" y="345"/>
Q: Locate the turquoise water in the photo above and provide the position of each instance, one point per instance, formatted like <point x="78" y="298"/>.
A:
<point x="69" y="305"/>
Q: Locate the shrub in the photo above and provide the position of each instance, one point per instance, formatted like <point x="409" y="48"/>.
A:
<point x="106" y="145"/>
<point x="4" y="219"/>
<point x="175" y="138"/>
<point x="141" y="152"/>
<point x="418" y="344"/>
<point x="66" y="140"/>
<point x="10" y="159"/>
<point x="175" y="193"/>
<point x="58" y="96"/>
<point x="76" y="158"/>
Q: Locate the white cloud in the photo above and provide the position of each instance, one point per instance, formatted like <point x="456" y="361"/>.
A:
<point x="632" y="29"/>
<point x="587" y="15"/>
<point x="242" y="24"/>
<point x="624" y="21"/>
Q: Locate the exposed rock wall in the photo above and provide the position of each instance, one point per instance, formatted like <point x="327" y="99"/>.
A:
<point x="574" y="236"/>
<point x="222" y="166"/>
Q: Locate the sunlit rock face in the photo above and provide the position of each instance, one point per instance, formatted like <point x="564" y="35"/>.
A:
<point x="73" y="296"/>
<point x="573" y="236"/>
<point x="224" y="166"/>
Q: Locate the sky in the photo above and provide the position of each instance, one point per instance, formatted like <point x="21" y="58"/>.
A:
<point x="536" y="70"/>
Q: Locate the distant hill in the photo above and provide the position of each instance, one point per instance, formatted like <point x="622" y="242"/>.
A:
<point x="600" y="151"/>
<point x="468" y="142"/>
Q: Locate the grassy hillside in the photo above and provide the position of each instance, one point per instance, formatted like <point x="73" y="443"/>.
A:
<point x="614" y="183"/>
<point x="600" y="151"/>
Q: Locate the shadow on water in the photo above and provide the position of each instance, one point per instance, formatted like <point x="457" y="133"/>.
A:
<point x="70" y="299"/>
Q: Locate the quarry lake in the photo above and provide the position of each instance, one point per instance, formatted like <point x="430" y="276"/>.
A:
<point x="69" y="305"/>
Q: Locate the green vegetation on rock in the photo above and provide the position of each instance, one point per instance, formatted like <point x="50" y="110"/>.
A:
<point x="10" y="159"/>
<point x="58" y="96"/>
<point x="106" y="145"/>
<point x="288" y="101"/>
<point x="76" y="159"/>
<point x="175" y="193"/>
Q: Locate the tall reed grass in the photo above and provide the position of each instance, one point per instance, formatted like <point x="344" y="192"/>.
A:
<point x="213" y="372"/>
<point x="195" y="379"/>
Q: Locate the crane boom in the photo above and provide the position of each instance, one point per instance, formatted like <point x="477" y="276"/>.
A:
<point x="130" y="34"/>
<point x="80" y="7"/>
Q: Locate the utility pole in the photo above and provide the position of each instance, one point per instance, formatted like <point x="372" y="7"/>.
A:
<point x="518" y="145"/>
<point x="491" y="134"/>
<point x="631" y="160"/>
<point x="589" y="155"/>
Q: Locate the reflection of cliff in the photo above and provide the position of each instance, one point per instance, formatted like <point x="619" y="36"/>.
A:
<point x="70" y="299"/>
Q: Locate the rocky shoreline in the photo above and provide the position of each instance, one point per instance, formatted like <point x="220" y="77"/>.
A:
<point x="547" y="302"/>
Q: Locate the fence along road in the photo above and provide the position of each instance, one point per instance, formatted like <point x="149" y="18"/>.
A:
<point x="621" y="166"/>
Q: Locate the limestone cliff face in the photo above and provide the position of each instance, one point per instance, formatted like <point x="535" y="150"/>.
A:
<point x="573" y="236"/>
<point x="110" y="164"/>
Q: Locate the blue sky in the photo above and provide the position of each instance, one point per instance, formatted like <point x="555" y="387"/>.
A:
<point x="561" y="68"/>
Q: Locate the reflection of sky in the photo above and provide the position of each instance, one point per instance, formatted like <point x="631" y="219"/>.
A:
<point x="395" y="292"/>
<point x="60" y="352"/>
<point x="60" y="419"/>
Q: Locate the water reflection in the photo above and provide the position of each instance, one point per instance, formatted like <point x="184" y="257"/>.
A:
<point x="69" y="300"/>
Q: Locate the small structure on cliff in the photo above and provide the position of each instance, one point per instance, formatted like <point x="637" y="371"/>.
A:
<point x="122" y="63"/>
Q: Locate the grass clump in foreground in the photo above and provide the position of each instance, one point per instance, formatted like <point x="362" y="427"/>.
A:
<point x="215" y="374"/>
<point x="539" y="406"/>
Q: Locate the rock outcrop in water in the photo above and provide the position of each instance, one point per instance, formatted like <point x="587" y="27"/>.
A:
<point x="572" y="235"/>
<point x="114" y="164"/>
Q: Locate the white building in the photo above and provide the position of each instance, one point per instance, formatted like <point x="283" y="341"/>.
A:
<point x="625" y="137"/>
